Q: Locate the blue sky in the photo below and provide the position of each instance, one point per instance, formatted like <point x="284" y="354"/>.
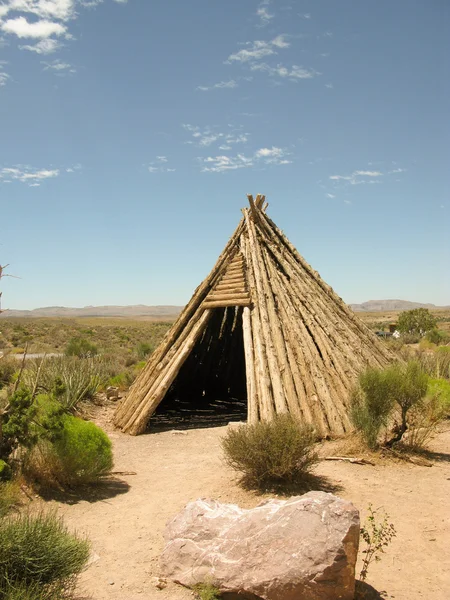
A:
<point x="131" y="132"/>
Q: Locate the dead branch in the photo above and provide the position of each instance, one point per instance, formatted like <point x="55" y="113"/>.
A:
<point x="355" y="461"/>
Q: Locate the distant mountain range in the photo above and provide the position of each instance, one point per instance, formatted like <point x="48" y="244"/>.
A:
<point x="138" y="310"/>
<point x="387" y="305"/>
<point x="170" y="312"/>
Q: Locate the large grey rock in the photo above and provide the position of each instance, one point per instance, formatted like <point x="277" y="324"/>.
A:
<point x="303" y="548"/>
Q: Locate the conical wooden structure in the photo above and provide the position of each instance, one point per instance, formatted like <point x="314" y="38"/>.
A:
<point x="263" y="311"/>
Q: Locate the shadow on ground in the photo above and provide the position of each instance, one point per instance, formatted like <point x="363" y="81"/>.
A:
<point x="308" y="483"/>
<point x="364" y="591"/>
<point x="437" y="456"/>
<point x="105" y="489"/>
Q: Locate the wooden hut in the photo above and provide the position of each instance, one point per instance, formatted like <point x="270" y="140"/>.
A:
<point x="263" y="317"/>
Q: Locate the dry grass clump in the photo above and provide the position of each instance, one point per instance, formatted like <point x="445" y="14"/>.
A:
<point x="279" y="452"/>
<point x="39" y="558"/>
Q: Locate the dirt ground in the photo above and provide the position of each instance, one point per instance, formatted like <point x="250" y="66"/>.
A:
<point x="125" y="520"/>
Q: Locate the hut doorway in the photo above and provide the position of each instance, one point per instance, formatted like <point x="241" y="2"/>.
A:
<point x="210" y="389"/>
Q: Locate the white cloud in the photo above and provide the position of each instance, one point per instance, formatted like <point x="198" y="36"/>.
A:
<point x="159" y="165"/>
<point x="262" y="12"/>
<point x="258" y="50"/>
<point x="47" y="46"/>
<point x="398" y="171"/>
<point x="293" y="73"/>
<point x="330" y="195"/>
<point x="208" y="136"/>
<point x="60" y="68"/>
<point x="355" y="177"/>
<point x="3" y="74"/>
<point x="369" y="173"/>
<point x="218" y="86"/>
<point x="268" y="152"/>
<point x="38" y="30"/>
<point x="50" y="9"/>
<point x="26" y="174"/>
<point x="305" y="16"/>
<point x="263" y="156"/>
<point x="49" y="20"/>
<point x="330" y="86"/>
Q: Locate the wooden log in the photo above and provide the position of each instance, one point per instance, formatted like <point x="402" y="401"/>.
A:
<point x="228" y="296"/>
<point x="327" y="397"/>
<point x="310" y="401"/>
<point x="252" y="399"/>
<point x="354" y="461"/>
<point x="224" y="303"/>
<point x="272" y="291"/>
<point x="238" y="276"/>
<point x="266" y="407"/>
<point x="225" y="287"/>
<point x="274" y="368"/>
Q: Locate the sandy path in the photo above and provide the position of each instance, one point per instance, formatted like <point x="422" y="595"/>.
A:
<point x="171" y="469"/>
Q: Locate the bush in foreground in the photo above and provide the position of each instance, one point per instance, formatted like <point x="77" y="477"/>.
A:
<point x="80" y="454"/>
<point x="277" y="452"/>
<point x="39" y="558"/>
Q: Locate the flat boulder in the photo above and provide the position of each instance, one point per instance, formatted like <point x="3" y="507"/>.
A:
<point x="303" y="548"/>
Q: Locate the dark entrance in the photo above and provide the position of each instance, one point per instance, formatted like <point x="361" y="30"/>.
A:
<point x="210" y="388"/>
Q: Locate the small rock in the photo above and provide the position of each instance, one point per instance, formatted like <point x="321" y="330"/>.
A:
<point x="178" y="432"/>
<point x="111" y="582"/>
<point x="112" y="393"/>
<point x="236" y="424"/>
<point x="159" y="582"/>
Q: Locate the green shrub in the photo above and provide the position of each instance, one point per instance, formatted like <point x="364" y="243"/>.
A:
<point x="408" y="386"/>
<point x="80" y="347"/>
<point x="423" y="423"/>
<point x="207" y="591"/>
<point x="440" y="389"/>
<point x="26" y="422"/>
<point x="411" y="338"/>
<point x="437" y="336"/>
<point x="280" y="451"/>
<point x="9" y="496"/>
<point x="377" y="393"/>
<point x="8" y="368"/>
<point x="122" y="380"/>
<point x="435" y="362"/>
<point x="16" y="423"/>
<point x="144" y="350"/>
<point x="69" y="379"/>
<point x="371" y="405"/>
<point x="37" y="552"/>
<point x="5" y="471"/>
<point x="81" y="454"/>
<point x="416" y="321"/>
<point x="33" y="591"/>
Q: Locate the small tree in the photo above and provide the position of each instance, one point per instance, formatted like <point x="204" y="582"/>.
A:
<point x="80" y="347"/>
<point x="371" y="404"/>
<point x="418" y="321"/>
<point x="409" y="385"/>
